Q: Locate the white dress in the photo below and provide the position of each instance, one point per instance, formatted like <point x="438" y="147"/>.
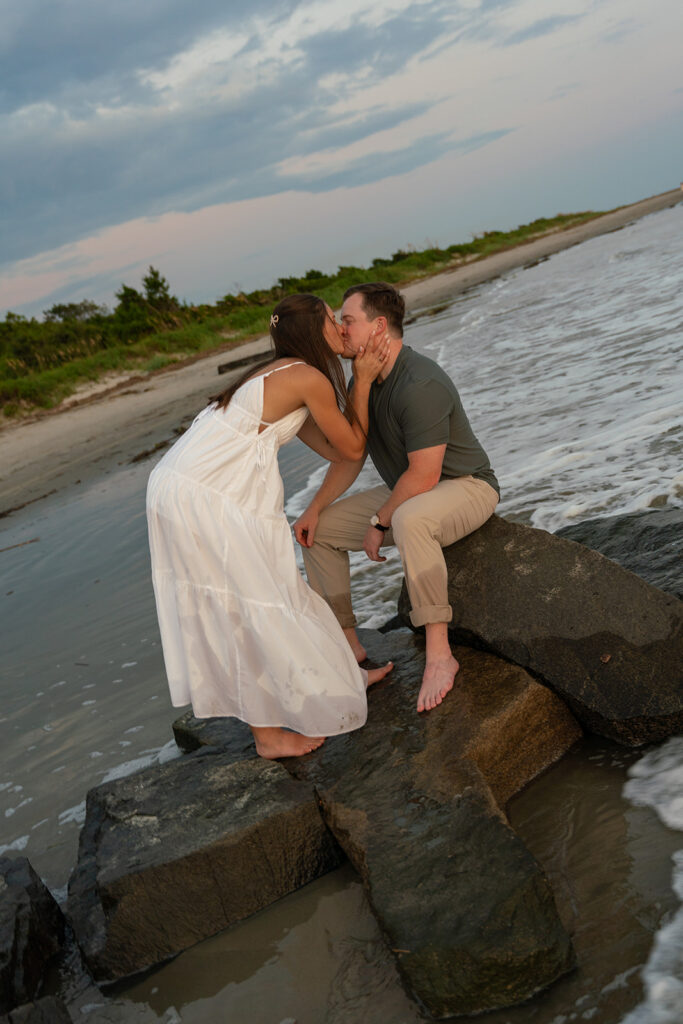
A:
<point x="242" y="633"/>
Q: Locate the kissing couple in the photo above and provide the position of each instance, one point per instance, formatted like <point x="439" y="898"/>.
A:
<point x="243" y="635"/>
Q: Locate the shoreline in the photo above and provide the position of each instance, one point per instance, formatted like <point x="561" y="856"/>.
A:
<point x="123" y="421"/>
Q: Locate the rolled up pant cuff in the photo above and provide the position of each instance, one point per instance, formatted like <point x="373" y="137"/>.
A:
<point x="431" y="613"/>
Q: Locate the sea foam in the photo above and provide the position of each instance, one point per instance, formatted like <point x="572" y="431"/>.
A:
<point x="656" y="781"/>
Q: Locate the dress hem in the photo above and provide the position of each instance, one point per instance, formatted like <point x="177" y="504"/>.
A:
<point x="277" y="725"/>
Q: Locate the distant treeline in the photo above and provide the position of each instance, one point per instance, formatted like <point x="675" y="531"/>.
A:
<point x="42" y="361"/>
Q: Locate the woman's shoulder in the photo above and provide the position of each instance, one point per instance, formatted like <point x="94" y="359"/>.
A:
<point x="297" y="366"/>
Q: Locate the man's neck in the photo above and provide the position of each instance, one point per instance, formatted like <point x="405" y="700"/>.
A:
<point x="395" y="346"/>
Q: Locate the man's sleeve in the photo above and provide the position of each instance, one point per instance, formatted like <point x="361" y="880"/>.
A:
<point x="425" y="416"/>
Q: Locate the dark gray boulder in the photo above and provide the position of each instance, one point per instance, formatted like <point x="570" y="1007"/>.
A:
<point x="649" y="544"/>
<point x="416" y="803"/>
<point x="462" y="904"/>
<point x="31" y="932"/>
<point x="232" y="736"/>
<point x="180" y="851"/>
<point x="45" y="1011"/>
<point x="606" y="641"/>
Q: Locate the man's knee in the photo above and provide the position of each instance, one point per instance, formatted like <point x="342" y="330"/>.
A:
<point x="342" y="525"/>
<point x="407" y="524"/>
<point x="325" y="533"/>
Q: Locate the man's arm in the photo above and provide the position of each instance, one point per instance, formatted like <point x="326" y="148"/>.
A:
<point x="423" y="473"/>
<point x="338" y="479"/>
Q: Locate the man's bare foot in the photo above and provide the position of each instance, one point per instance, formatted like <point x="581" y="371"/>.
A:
<point x="436" y="682"/>
<point x="272" y="743"/>
<point x="355" y="644"/>
<point x="375" y="674"/>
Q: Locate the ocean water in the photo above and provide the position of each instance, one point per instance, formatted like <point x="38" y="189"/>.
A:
<point x="656" y="781"/>
<point x="570" y="372"/>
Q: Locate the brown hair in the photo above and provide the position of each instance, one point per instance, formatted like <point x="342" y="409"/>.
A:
<point x="296" y="330"/>
<point x="381" y="299"/>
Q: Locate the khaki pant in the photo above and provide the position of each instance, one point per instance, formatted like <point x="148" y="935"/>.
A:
<point x="420" y="528"/>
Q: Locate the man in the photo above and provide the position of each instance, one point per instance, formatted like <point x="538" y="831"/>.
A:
<point x="438" y="487"/>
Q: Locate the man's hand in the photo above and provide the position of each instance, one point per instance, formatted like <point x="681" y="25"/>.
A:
<point x="372" y="542"/>
<point x="305" y="527"/>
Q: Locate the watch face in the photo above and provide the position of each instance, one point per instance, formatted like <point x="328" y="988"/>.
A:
<point x="374" y="521"/>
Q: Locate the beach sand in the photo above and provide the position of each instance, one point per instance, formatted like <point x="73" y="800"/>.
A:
<point x="115" y="422"/>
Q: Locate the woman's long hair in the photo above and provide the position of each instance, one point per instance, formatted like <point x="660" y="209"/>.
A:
<point x="296" y="330"/>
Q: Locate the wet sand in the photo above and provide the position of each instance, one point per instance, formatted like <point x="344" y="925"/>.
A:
<point x="93" y="435"/>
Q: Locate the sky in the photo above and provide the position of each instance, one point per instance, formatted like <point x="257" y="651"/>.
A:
<point x="229" y="144"/>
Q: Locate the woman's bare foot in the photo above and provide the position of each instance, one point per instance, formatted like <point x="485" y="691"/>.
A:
<point x="355" y="644"/>
<point x="436" y="682"/>
<point x="272" y="743"/>
<point x="375" y="674"/>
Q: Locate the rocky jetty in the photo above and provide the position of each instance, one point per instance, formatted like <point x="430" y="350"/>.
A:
<point x="31" y="935"/>
<point x="416" y="801"/>
<point x="607" y="642"/>
<point x="181" y="851"/>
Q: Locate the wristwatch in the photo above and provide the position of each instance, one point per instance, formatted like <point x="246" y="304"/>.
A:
<point x="374" y="521"/>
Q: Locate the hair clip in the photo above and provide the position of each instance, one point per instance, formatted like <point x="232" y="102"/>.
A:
<point x="274" y="320"/>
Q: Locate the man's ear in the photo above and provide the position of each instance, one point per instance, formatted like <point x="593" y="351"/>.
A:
<point x="381" y="324"/>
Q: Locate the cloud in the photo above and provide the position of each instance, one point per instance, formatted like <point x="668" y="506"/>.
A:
<point x="542" y="27"/>
<point x="318" y="176"/>
<point x="80" y="50"/>
<point x="563" y="90"/>
<point x="176" y="128"/>
<point x="142" y="113"/>
<point x="618" y="32"/>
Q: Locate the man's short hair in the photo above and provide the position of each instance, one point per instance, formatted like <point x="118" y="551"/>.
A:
<point x="381" y="299"/>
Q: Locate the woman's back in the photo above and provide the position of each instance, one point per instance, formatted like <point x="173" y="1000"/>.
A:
<point x="231" y="452"/>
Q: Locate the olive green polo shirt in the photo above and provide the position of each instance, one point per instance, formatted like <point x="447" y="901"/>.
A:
<point x="418" y="406"/>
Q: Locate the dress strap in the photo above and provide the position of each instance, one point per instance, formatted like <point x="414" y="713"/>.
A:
<point x="299" y="362"/>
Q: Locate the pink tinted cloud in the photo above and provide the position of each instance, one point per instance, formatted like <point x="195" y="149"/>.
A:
<point x="228" y="246"/>
<point x="203" y="254"/>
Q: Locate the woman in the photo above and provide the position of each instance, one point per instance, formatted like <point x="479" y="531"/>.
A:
<point x="242" y="634"/>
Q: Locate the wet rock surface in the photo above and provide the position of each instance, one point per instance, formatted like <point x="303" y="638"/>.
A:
<point x="415" y="801"/>
<point x="32" y="931"/>
<point x="181" y="851"/>
<point x="45" y="1011"/>
<point x="232" y="736"/>
<point x="647" y="543"/>
<point x="607" y="642"/>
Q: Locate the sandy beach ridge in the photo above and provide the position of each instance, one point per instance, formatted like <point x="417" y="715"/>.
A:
<point x="118" y="422"/>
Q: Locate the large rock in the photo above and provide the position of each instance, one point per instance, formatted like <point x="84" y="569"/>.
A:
<point x="182" y="850"/>
<point x="233" y="737"/>
<point x="45" y="1011"/>
<point x="647" y="543"/>
<point x="31" y="932"/>
<point x="416" y="802"/>
<point x="606" y="641"/>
